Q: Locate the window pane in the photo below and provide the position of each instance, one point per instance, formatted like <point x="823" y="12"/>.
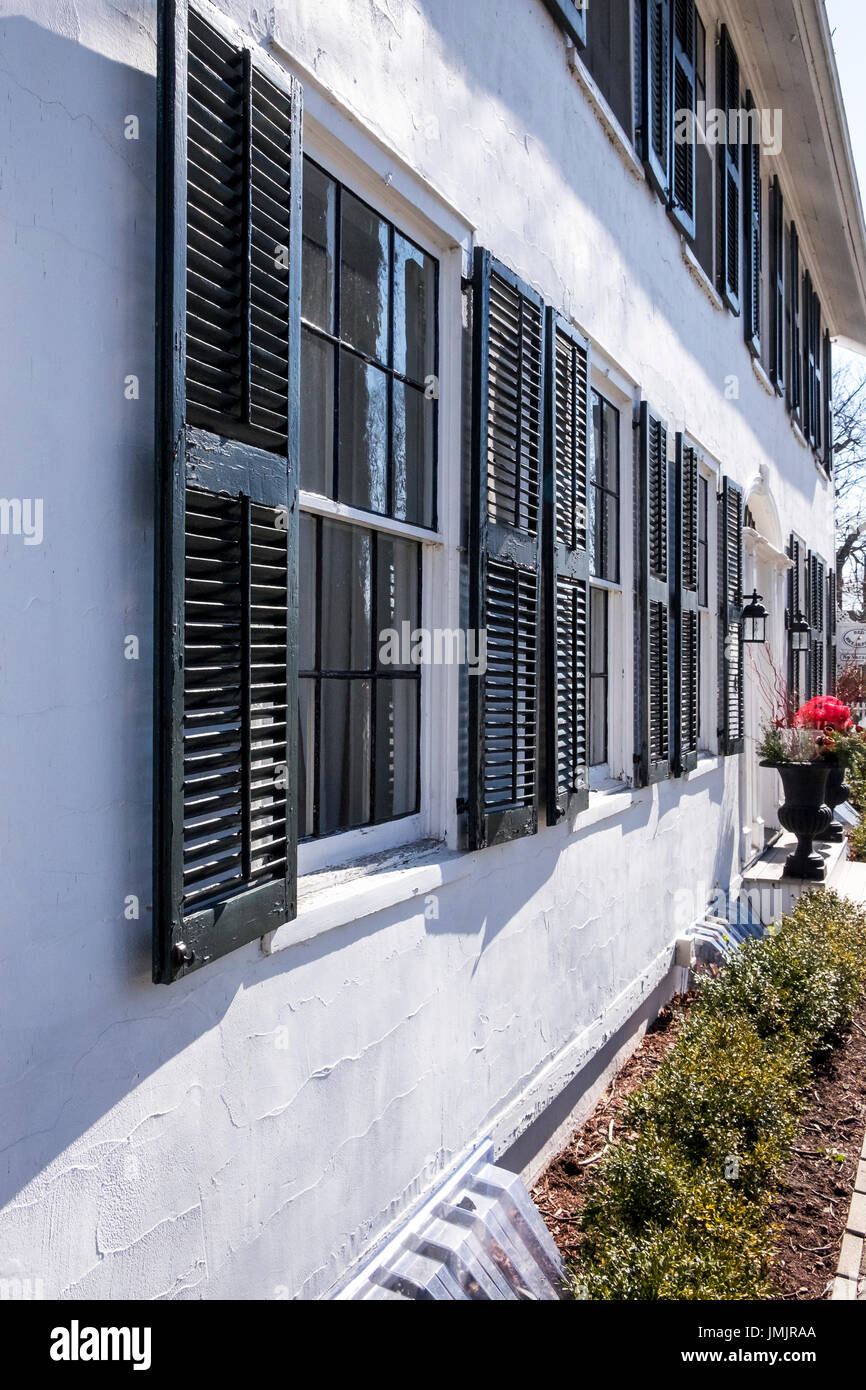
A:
<point x="317" y="282"/>
<point x="598" y="678"/>
<point x="610" y="431"/>
<point x="597" y="442"/>
<point x="306" y="755"/>
<point x="346" y="597"/>
<point x="344" y="785"/>
<point x="363" y="465"/>
<point x="396" y="748"/>
<point x="364" y="289"/>
<point x="396" y="592"/>
<point x="414" y="310"/>
<point x="608" y="511"/>
<point x="597" y="721"/>
<point x="413" y="455"/>
<point x="317" y="414"/>
<point x="307" y="594"/>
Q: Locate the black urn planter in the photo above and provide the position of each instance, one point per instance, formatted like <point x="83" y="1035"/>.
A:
<point x="837" y="792"/>
<point x="805" y="813"/>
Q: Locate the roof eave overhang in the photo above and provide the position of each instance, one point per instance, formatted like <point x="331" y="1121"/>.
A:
<point x="789" y="60"/>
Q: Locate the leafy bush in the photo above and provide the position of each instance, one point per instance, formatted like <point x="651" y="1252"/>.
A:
<point x="804" y="979"/>
<point x="726" y="1097"/>
<point x="682" y="1211"/>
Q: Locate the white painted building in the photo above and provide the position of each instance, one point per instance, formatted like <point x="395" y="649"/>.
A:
<point x="487" y="906"/>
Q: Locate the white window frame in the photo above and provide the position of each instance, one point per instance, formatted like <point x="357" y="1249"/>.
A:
<point x="708" y="717"/>
<point x="361" y="165"/>
<point x="610" y="383"/>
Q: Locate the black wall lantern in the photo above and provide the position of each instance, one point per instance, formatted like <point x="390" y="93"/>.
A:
<point x="755" y="620"/>
<point x="800" y="634"/>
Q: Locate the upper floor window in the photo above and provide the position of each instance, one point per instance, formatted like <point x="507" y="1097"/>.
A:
<point x="604" y="491"/>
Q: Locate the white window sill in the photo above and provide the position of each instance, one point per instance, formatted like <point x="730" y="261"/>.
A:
<point x="700" y="275"/>
<point x="612" y="128"/>
<point x="758" y="369"/>
<point x="707" y="763"/>
<point x="331" y="898"/>
<point x="608" y="799"/>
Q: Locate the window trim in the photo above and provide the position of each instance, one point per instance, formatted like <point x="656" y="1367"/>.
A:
<point x="355" y="164"/>
<point x="570" y="15"/>
<point x="609" y="381"/>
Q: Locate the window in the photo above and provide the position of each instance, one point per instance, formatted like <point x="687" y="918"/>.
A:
<point x="368" y="441"/>
<point x="598" y="677"/>
<point x="368" y="358"/>
<point x="604" y="491"/>
<point x="704" y="168"/>
<point x="729" y="221"/>
<point x="608" y="56"/>
<point x="703" y="545"/>
<point x="359" y="717"/>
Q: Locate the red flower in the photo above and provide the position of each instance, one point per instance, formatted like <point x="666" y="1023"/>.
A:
<point x="824" y="712"/>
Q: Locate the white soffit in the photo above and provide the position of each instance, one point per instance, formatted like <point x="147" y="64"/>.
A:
<point x="789" y="54"/>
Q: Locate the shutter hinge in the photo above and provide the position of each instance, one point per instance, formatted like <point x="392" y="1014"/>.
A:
<point x="462" y="805"/>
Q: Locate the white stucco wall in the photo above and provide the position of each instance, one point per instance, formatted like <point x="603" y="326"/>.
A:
<point x="255" y="1127"/>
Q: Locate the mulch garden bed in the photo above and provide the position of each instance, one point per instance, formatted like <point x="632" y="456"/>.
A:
<point x="811" y="1207"/>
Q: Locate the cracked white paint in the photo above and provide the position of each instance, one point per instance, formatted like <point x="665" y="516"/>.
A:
<point x="159" y="1143"/>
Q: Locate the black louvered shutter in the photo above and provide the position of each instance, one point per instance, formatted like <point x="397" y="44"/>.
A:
<point x="566" y="567"/>
<point x="831" y="632"/>
<point x="505" y="552"/>
<point x="777" y="291"/>
<point x="228" y="324"/>
<point x="827" y="402"/>
<point x="731" y="701"/>
<point x="797" y="605"/>
<point x="817" y="623"/>
<point x="571" y="15"/>
<point x="812" y="421"/>
<point x="653" y="756"/>
<point x="808" y="391"/>
<point x="753" y="238"/>
<point x="684" y="97"/>
<point x="795" y="364"/>
<point x="684" y="547"/>
<point x="656" y="93"/>
<point x="729" y="176"/>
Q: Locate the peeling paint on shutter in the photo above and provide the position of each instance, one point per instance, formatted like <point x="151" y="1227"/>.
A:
<point x="795" y="363"/>
<point x="654" y="754"/>
<point x="684" y="97"/>
<point x="656" y="92"/>
<point x="753" y="238"/>
<point x="777" y="289"/>
<point x="729" y="176"/>
<point x="228" y="324"/>
<point x="827" y="403"/>
<point x="566" y="567"/>
<point x="685" y="682"/>
<point x="731" y="701"/>
<point x="505" y="552"/>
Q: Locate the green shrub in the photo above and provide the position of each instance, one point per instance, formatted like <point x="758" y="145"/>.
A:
<point x="803" y="980"/>
<point x="727" y="1098"/>
<point x="659" y="1227"/>
<point x="682" y="1212"/>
